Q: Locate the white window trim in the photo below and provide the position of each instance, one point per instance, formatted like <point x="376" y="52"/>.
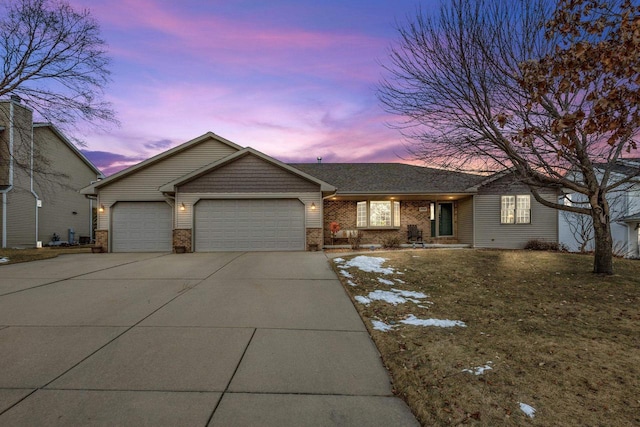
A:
<point x="514" y="215"/>
<point x="394" y="212"/>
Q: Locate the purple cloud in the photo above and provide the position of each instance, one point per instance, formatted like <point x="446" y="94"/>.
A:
<point x="110" y="163"/>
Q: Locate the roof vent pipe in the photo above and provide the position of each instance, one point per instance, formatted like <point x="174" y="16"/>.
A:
<point x="319" y="159"/>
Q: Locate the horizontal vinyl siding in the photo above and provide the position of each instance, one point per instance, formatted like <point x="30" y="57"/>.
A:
<point x="491" y="234"/>
<point x="21" y="218"/>
<point x="60" y="194"/>
<point x="313" y="218"/>
<point x="143" y="185"/>
<point x="465" y="221"/>
<point x="249" y="174"/>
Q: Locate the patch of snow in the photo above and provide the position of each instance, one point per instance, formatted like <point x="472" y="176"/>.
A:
<point x="410" y="293"/>
<point x="338" y="260"/>
<point x="387" y="296"/>
<point x="346" y="274"/>
<point x="381" y="326"/>
<point x="442" y="323"/>
<point x="399" y="280"/>
<point x="350" y="283"/>
<point x="369" y="264"/>
<point x="479" y="370"/>
<point x="385" y="281"/>
<point x="362" y="300"/>
<point x="4" y="259"/>
<point x="530" y="411"/>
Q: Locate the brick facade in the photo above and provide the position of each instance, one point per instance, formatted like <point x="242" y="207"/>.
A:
<point x="182" y="237"/>
<point x="344" y="213"/>
<point x="314" y="237"/>
<point x="102" y="239"/>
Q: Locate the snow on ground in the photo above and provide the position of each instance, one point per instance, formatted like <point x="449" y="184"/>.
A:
<point x="346" y="274"/>
<point x="381" y="326"/>
<point x="528" y="410"/>
<point x="350" y="283"/>
<point x="369" y="264"/>
<point x="362" y="300"/>
<point x="479" y="370"/>
<point x="385" y="281"/>
<point x="3" y="260"/>
<point x="411" y="294"/>
<point x="399" y="280"/>
<point x="387" y="296"/>
<point x="338" y="260"/>
<point x="442" y="323"/>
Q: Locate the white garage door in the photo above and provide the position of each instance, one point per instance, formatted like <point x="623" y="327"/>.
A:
<point x="141" y="227"/>
<point x="249" y="225"/>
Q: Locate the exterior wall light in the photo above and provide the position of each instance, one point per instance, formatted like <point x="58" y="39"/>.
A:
<point x="313" y="206"/>
<point x="101" y="208"/>
<point x="182" y="207"/>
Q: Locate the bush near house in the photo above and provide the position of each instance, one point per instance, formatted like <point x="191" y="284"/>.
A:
<point x="525" y="327"/>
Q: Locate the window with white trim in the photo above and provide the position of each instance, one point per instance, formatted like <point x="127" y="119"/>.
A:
<point x="378" y="214"/>
<point x="515" y="209"/>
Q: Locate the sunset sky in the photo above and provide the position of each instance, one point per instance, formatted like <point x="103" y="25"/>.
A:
<point x="295" y="79"/>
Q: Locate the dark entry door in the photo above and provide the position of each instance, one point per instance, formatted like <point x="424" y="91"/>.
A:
<point x="445" y="219"/>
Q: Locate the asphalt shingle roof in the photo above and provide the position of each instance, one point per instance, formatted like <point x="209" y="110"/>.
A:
<point x="389" y="178"/>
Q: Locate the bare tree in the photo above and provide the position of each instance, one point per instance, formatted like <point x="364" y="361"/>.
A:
<point x="55" y="60"/>
<point x="493" y="84"/>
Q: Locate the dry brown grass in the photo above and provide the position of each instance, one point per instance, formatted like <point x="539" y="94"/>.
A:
<point x="561" y="339"/>
<point x="33" y="254"/>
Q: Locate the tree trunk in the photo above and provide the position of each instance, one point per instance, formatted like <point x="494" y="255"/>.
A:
<point x="603" y="242"/>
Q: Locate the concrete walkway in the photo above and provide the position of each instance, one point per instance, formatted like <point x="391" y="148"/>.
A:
<point x="223" y="339"/>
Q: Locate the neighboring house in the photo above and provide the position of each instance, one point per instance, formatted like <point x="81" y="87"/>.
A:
<point x="576" y="231"/>
<point x="41" y="173"/>
<point x="210" y="194"/>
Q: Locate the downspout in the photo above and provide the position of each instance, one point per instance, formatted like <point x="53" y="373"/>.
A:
<point x="35" y="195"/>
<point x="6" y="190"/>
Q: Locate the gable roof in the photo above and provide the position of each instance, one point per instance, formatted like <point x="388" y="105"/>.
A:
<point x="70" y="145"/>
<point x="157" y="158"/>
<point x="170" y="186"/>
<point x="396" y="178"/>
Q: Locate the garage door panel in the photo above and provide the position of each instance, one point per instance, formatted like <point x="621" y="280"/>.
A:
<point x="141" y="227"/>
<point x="249" y="225"/>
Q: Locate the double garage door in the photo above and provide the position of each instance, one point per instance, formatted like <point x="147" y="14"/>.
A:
<point x="249" y="225"/>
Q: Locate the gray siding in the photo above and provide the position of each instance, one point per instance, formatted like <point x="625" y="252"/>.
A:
<point x="21" y="203"/>
<point x="490" y="233"/>
<point x="465" y="221"/>
<point x="58" y="188"/>
<point x="249" y="174"/>
<point x="143" y="185"/>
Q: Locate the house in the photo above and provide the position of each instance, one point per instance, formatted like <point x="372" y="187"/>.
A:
<point x="382" y="199"/>
<point x="576" y="231"/>
<point x="41" y="173"/>
<point x="210" y="194"/>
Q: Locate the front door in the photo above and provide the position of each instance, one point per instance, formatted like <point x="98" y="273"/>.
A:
<point x="445" y="219"/>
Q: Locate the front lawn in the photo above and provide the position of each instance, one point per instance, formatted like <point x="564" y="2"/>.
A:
<point x="12" y="256"/>
<point x="530" y="328"/>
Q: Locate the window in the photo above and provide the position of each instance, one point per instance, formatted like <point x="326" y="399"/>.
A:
<point x="515" y="210"/>
<point x="378" y="214"/>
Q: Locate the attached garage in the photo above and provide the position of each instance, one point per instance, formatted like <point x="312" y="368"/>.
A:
<point x="141" y="227"/>
<point x="249" y="225"/>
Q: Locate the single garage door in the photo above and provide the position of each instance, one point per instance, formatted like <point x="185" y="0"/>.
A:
<point x="249" y="225"/>
<point x="141" y="227"/>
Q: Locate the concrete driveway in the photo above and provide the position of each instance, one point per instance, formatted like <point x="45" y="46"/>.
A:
<point x="223" y="339"/>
